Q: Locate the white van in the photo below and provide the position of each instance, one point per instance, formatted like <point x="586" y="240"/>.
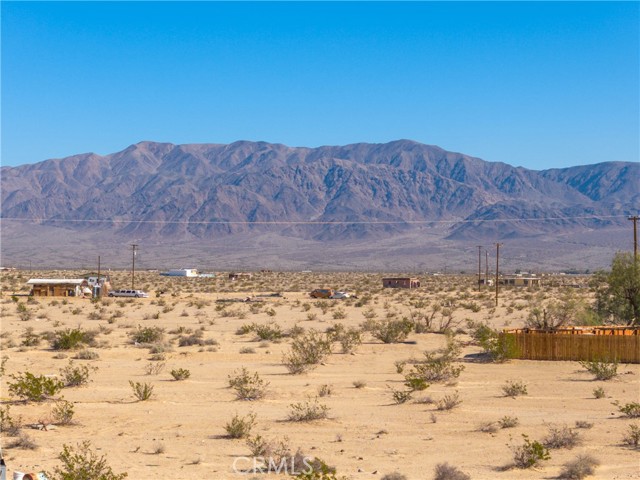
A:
<point x="128" y="293"/>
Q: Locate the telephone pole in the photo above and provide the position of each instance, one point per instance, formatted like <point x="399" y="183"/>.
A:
<point x="497" y="270"/>
<point x="134" y="246"/>
<point x="634" y="219"/>
<point x="486" y="268"/>
<point x="479" y="266"/>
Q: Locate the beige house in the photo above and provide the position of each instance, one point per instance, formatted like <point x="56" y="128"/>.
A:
<point x="58" y="287"/>
<point x="400" y="282"/>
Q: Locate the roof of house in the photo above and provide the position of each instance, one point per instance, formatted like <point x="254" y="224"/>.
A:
<point x="56" y="281"/>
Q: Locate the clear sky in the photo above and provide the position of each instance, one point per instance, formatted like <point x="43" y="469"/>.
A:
<point x="536" y="84"/>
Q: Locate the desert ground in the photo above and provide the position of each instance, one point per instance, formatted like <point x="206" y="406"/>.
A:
<point x="180" y="431"/>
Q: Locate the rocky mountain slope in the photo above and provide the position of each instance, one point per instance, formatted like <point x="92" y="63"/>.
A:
<point x="162" y="192"/>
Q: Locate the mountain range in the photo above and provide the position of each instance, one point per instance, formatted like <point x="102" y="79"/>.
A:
<point x="368" y="196"/>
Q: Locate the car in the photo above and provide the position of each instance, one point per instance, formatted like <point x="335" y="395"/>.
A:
<point x="322" y="293"/>
<point x="128" y="293"/>
<point x="340" y="295"/>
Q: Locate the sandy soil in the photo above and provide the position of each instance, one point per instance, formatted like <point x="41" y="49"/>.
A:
<point x="179" y="432"/>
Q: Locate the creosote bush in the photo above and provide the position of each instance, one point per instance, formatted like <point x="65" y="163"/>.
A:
<point x="62" y="413"/>
<point x="389" y="330"/>
<point x="76" y="376"/>
<point x="307" y="411"/>
<point x="631" y="410"/>
<point x="81" y="463"/>
<point x="146" y="335"/>
<point x="601" y="369"/>
<point x="72" y="338"/>
<point x="240" y="427"/>
<point x="248" y="386"/>
<point x="30" y="387"/>
<point x="529" y="454"/>
<point x="307" y="351"/>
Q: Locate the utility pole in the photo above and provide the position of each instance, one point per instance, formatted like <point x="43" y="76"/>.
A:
<point x="497" y="270"/>
<point x="479" y="266"/>
<point x="634" y="219"/>
<point x="134" y="246"/>
<point x="486" y="268"/>
<point x="99" y="289"/>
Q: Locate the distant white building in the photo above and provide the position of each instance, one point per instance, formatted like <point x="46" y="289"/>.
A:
<point x="181" y="272"/>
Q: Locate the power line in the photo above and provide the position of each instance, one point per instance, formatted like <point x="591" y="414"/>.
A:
<point x="634" y="219"/>
<point x="308" y="222"/>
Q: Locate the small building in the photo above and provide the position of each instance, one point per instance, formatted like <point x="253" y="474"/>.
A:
<point x="100" y="284"/>
<point x="400" y="282"/>
<point x="489" y="282"/>
<point x="181" y="272"/>
<point x="519" y="281"/>
<point x="233" y="276"/>
<point x="58" y="287"/>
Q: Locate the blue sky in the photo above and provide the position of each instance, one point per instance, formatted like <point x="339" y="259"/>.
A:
<point x="536" y="84"/>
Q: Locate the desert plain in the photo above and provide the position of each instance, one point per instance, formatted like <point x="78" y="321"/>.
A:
<point x="180" y="431"/>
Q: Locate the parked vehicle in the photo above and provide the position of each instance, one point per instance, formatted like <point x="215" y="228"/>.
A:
<point x="340" y="295"/>
<point x="322" y="293"/>
<point x="128" y="293"/>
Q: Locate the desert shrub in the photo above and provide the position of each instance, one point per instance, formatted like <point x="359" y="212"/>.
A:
<point x="583" y="424"/>
<point x="147" y="335"/>
<point x="601" y="369"/>
<point x="562" y="437"/>
<point x="400" y="396"/>
<point x="599" y="392"/>
<point x="310" y="409"/>
<point x="62" y="413"/>
<point x="24" y="442"/>
<point x="529" y="454"/>
<point x="325" y="390"/>
<point x="30" y="339"/>
<point x="248" y="386"/>
<point x="81" y="463"/>
<point x="359" y="383"/>
<point x="389" y="330"/>
<point x="349" y="338"/>
<point x="154" y="368"/>
<point x="192" y="339"/>
<point x="514" y="388"/>
<point x="400" y="364"/>
<point x="416" y="383"/>
<point x="632" y="436"/>
<point x="394" y="476"/>
<point x="240" y="427"/>
<point x="9" y="426"/>
<point x="34" y="388"/>
<point x="508" y="422"/>
<point x="437" y="366"/>
<point x="489" y="427"/>
<point x="449" y="402"/>
<point x="500" y="347"/>
<point x="444" y="471"/>
<point x="580" y="467"/>
<point x="142" y="391"/>
<point x="307" y="350"/>
<point x="72" y="338"/>
<point x="180" y="374"/>
<point x="76" y="376"/>
<point x="269" y="331"/>
<point x="631" y="410"/>
<point x="86" y="354"/>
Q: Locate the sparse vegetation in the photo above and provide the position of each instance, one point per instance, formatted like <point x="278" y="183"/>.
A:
<point x="180" y="374"/>
<point x="248" y="386"/>
<point x="601" y="369"/>
<point x="580" y="467"/>
<point x="514" y="388"/>
<point x="444" y="471"/>
<point x="142" y="391"/>
<point x="240" y="427"/>
<point x="307" y="411"/>
<point x="34" y="388"/>
<point x="529" y="454"/>
<point x="632" y="436"/>
<point x="82" y="463"/>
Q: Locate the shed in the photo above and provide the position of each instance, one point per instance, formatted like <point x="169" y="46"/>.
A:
<point x="400" y="282"/>
<point x="57" y="287"/>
